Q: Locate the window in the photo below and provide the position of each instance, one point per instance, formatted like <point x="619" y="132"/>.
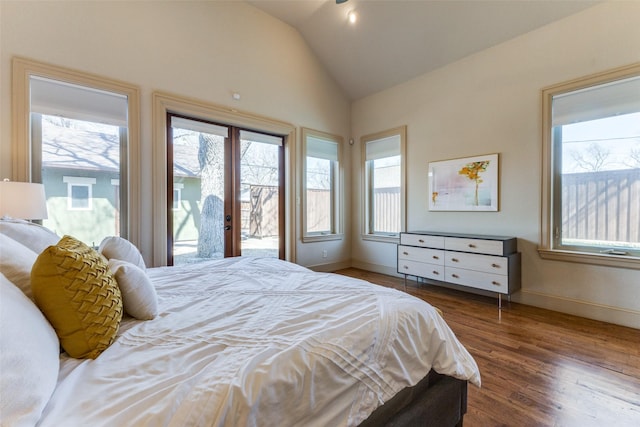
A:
<point x="321" y="186"/>
<point x="78" y="135"/>
<point x="177" y="195"/>
<point x="384" y="182"/>
<point x="79" y="192"/>
<point x="79" y="130"/>
<point x="591" y="188"/>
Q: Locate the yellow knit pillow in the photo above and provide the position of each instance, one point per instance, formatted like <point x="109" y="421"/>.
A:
<point x="75" y="290"/>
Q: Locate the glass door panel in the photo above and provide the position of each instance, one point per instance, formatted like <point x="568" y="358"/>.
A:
<point x="261" y="197"/>
<point x="197" y="213"/>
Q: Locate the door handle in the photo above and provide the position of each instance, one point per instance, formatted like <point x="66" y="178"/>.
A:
<point x="227" y="227"/>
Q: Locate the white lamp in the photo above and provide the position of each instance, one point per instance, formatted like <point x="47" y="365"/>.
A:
<point x="22" y="200"/>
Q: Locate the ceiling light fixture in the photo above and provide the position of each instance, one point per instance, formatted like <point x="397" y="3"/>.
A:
<point x="353" y="16"/>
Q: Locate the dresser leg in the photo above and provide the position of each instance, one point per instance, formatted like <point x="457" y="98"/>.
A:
<point x="405" y="283"/>
<point x="499" y="301"/>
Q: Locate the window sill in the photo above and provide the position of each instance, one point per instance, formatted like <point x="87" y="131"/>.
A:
<point x="381" y="238"/>
<point x="321" y="238"/>
<point x="620" y="261"/>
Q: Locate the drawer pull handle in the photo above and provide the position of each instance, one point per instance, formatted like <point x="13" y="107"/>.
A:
<point x="455" y="276"/>
<point x="495" y="283"/>
<point x="495" y="265"/>
<point x="405" y="253"/>
<point x="455" y="260"/>
<point x="471" y="245"/>
<point x="406" y="267"/>
<point x="421" y="241"/>
<point x="435" y="272"/>
<point x="436" y="257"/>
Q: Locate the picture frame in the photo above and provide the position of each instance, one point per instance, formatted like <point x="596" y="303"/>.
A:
<point x="464" y="184"/>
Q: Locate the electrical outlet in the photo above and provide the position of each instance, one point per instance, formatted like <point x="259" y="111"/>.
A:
<point x="324" y="254"/>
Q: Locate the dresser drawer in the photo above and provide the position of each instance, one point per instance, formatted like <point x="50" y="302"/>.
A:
<point x="490" y="247"/>
<point x="422" y="240"/>
<point x="484" y="263"/>
<point x="478" y="279"/>
<point x="426" y="255"/>
<point x="421" y="269"/>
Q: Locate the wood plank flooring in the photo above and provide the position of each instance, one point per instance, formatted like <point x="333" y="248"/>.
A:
<point x="538" y="367"/>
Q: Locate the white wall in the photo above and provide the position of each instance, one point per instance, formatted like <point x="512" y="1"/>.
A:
<point x="202" y="50"/>
<point x="490" y="103"/>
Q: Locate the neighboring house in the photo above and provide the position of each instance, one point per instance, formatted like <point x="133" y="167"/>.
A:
<point x="80" y="175"/>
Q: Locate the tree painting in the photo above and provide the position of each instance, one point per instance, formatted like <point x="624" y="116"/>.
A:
<point x="472" y="171"/>
<point x="451" y="184"/>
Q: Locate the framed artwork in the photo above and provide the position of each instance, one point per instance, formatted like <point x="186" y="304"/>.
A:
<point x="466" y="184"/>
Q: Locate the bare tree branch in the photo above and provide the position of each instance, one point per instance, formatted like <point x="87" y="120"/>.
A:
<point x="593" y="159"/>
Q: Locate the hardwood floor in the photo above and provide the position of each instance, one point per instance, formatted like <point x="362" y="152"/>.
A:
<point x="538" y="367"/>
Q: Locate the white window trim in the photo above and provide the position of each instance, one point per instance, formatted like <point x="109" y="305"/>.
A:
<point x="76" y="181"/>
<point x="22" y="70"/>
<point x="337" y="190"/>
<point x="546" y="248"/>
<point x="400" y="131"/>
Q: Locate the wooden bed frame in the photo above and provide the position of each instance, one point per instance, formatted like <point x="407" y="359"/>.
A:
<point x="436" y="401"/>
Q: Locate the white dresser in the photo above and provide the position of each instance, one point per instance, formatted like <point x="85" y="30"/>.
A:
<point x="490" y="263"/>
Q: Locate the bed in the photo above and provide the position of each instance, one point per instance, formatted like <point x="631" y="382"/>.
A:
<point x="247" y="342"/>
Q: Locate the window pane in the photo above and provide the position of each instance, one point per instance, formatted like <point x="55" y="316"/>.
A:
<point x="321" y="216"/>
<point x="80" y="197"/>
<point x="596" y="162"/>
<point x="319" y="184"/>
<point x="176" y="199"/>
<point x="385" y="213"/>
<point x="600" y="183"/>
<point x="89" y="152"/>
<point x="260" y="194"/>
<point x="383" y="155"/>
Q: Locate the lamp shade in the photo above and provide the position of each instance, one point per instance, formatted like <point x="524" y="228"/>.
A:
<point x="22" y="200"/>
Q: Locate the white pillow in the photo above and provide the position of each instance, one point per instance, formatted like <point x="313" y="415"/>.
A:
<point x="16" y="261"/>
<point x="29" y="358"/>
<point x="139" y="296"/>
<point x="33" y="236"/>
<point x="120" y="248"/>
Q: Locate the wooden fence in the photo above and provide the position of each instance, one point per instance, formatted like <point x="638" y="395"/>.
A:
<point x="259" y="215"/>
<point x="387" y="210"/>
<point x="603" y="206"/>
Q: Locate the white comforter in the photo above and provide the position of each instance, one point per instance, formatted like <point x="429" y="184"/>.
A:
<point x="258" y="342"/>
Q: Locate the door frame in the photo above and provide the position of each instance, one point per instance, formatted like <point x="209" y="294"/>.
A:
<point x="163" y="103"/>
<point x="232" y="213"/>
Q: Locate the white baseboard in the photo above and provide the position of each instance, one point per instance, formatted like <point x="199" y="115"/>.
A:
<point x="330" y="267"/>
<point x="601" y="312"/>
<point x="375" y="268"/>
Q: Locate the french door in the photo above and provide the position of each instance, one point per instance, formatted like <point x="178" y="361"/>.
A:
<point x="225" y="191"/>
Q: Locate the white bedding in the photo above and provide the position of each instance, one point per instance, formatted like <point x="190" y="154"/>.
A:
<point x="258" y="342"/>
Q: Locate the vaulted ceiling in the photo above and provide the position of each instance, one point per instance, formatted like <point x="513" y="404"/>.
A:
<point x="393" y="41"/>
